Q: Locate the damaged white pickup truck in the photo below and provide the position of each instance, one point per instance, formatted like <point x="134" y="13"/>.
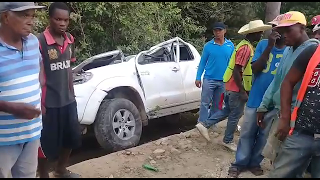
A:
<point x="117" y="95"/>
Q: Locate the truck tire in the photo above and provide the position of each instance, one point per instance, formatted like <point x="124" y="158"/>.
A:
<point x="118" y="124"/>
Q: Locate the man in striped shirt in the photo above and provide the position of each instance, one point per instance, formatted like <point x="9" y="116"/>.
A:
<point x="20" y="120"/>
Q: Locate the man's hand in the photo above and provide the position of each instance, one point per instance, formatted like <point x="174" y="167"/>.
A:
<point x="272" y="38"/>
<point x="244" y="95"/>
<point x="198" y="83"/>
<point x="24" y="111"/>
<point x="260" y="118"/>
<point x="283" y="129"/>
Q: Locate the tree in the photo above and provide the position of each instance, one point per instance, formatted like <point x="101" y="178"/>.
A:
<point x="272" y="11"/>
<point x="135" y="26"/>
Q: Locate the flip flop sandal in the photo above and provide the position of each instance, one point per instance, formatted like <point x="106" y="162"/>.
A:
<point x="67" y="174"/>
<point x="257" y="171"/>
<point x="234" y="172"/>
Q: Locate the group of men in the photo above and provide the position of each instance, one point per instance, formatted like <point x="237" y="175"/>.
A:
<point x="285" y="130"/>
<point x="38" y="110"/>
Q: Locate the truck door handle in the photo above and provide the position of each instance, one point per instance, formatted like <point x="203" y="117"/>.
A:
<point x="175" y="69"/>
<point x="145" y="73"/>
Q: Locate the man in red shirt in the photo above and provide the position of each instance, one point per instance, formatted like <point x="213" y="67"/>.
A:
<point x="238" y="72"/>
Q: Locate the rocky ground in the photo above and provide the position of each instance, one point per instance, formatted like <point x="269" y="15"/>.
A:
<point x="186" y="154"/>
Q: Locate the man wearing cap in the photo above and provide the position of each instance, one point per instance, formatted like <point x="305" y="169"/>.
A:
<point x="238" y="77"/>
<point x="315" y="22"/>
<point x="292" y="25"/>
<point x="214" y="60"/>
<point x="252" y="137"/>
<point x="306" y="129"/>
<point x="272" y="95"/>
<point x="20" y="120"/>
<point x="315" y="26"/>
<point x="301" y="146"/>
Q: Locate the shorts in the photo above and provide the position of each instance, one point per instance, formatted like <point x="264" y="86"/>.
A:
<point x="19" y="160"/>
<point x="61" y="130"/>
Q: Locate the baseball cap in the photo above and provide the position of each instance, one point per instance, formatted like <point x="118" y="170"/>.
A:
<point x="291" y="18"/>
<point x="276" y="20"/>
<point x="219" y="25"/>
<point x="315" y="20"/>
<point x="316" y="28"/>
<point x="18" y="6"/>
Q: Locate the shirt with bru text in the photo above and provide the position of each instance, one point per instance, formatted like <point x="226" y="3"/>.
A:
<point x="57" y="90"/>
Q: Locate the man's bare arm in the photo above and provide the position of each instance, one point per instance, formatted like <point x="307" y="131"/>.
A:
<point x="260" y="64"/>
<point x="41" y="75"/>
<point x="5" y="106"/>
<point x="294" y="75"/>
<point x="292" y="78"/>
<point x="71" y="80"/>
<point x="237" y="77"/>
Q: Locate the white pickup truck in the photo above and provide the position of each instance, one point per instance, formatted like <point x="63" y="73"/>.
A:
<point x="117" y="95"/>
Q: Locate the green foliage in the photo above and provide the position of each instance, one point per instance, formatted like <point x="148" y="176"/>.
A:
<point x="135" y="26"/>
<point x="309" y="9"/>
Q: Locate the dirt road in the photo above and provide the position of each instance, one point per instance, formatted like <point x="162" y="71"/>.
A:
<point x="180" y="155"/>
<point x="157" y="128"/>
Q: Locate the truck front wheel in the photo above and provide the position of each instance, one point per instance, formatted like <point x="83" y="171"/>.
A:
<point x="118" y="124"/>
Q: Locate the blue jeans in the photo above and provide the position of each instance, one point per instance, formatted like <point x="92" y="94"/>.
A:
<point x="211" y="93"/>
<point x="296" y="152"/>
<point x="20" y="160"/>
<point x="233" y="109"/>
<point x="252" y="139"/>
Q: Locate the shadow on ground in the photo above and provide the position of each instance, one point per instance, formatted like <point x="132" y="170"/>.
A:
<point x="157" y="128"/>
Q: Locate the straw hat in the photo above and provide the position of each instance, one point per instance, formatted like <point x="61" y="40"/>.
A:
<point x="253" y="27"/>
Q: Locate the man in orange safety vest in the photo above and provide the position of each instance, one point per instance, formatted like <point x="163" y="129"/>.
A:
<point x="300" y="130"/>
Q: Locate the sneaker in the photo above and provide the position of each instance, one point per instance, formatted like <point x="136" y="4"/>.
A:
<point x="203" y="131"/>
<point x="232" y="146"/>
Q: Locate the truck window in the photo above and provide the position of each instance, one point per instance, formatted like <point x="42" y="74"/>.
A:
<point x="161" y="55"/>
<point x="185" y="53"/>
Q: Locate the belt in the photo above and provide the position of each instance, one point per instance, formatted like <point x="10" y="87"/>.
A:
<point x="308" y="133"/>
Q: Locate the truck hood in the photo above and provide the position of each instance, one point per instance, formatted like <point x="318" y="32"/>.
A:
<point x="100" y="60"/>
<point x="94" y="76"/>
<point x="103" y="66"/>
